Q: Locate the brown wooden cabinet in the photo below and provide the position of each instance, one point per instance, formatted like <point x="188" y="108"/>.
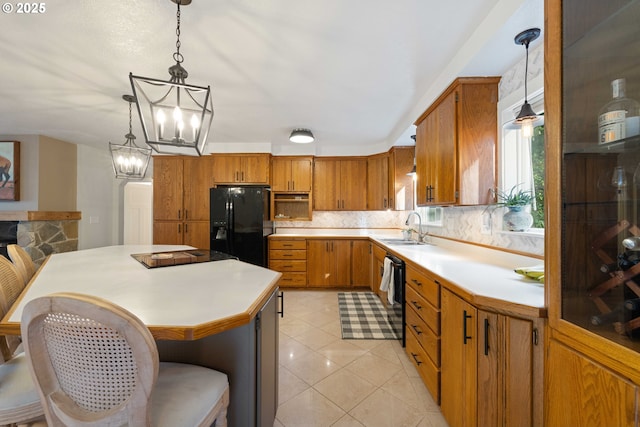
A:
<point x="378" y="194"/>
<point x="181" y="200"/>
<point x="241" y="168"/>
<point x="401" y="160"/>
<point x="456" y="143"/>
<point x="339" y="184"/>
<point x="377" y="269"/>
<point x="422" y="296"/>
<point x="592" y="373"/>
<point x="289" y="256"/>
<point x="338" y="263"/>
<point x="291" y="174"/>
<point x="491" y="366"/>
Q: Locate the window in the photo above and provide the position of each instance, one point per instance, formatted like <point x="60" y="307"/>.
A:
<point x="522" y="158"/>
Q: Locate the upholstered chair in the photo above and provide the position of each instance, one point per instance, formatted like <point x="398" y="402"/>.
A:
<point x="95" y="362"/>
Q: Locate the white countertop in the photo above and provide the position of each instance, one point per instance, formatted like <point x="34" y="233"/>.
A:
<point x="483" y="272"/>
<point x="173" y="297"/>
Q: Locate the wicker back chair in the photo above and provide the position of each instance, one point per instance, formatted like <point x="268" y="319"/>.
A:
<point x="23" y="262"/>
<point x="11" y="285"/>
<point x="97" y="364"/>
<point x="19" y="399"/>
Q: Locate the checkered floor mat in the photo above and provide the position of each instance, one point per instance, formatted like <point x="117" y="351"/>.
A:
<point x="362" y="316"/>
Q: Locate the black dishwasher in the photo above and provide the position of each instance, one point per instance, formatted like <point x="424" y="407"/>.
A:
<point x="396" y="312"/>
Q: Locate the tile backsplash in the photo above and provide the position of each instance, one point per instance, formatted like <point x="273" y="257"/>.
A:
<point x="476" y="224"/>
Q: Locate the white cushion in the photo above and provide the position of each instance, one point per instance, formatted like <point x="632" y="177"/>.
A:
<point x="184" y="395"/>
<point x="19" y="399"/>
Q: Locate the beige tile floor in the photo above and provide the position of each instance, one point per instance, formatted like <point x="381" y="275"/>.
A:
<point x="328" y="381"/>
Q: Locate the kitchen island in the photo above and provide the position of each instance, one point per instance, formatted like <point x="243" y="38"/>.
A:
<point x="221" y="314"/>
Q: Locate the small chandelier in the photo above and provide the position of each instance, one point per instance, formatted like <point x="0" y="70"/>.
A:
<point x="175" y="116"/>
<point x="129" y="160"/>
<point x="526" y="117"/>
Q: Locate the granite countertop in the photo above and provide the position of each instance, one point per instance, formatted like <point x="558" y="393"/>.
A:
<point x="482" y="275"/>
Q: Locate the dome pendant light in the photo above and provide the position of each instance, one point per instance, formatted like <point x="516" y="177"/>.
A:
<point x="175" y="116"/>
<point x="129" y="160"/>
<point x="526" y="118"/>
<point x="301" y="136"/>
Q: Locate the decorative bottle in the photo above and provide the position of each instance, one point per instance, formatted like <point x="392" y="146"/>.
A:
<point x="620" y="117"/>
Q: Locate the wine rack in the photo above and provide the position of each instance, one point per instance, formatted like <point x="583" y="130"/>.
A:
<point x="628" y="322"/>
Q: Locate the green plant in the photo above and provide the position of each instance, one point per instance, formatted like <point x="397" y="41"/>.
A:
<point x="514" y="197"/>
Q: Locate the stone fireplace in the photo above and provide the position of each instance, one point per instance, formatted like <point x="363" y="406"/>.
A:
<point x="40" y="233"/>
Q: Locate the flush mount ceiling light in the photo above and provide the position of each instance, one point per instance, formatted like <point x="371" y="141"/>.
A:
<point x="129" y="160"/>
<point x="301" y="136"/>
<point x="175" y="116"/>
<point x="526" y="118"/>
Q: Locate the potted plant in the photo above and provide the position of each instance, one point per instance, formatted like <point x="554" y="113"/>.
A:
<point x="517" y="218"/>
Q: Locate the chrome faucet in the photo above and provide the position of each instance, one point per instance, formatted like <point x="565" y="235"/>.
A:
<point x="420" y="234"/>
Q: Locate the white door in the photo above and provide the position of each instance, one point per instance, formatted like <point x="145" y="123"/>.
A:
<point x="138" y="213"/>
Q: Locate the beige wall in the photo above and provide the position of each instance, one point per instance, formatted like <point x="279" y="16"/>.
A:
<point x="57" y="189"/>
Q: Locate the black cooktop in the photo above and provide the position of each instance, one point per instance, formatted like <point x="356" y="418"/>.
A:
<point x="187" y="256"/>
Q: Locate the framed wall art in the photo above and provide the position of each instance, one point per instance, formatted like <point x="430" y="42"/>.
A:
<point x="9" y="170"/>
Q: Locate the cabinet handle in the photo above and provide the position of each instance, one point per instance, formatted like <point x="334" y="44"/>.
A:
<point x="179" y="214"/>
<point x="179" y="228"/>
<point x="416" y="282"/>
<point x="415" y="357"/>
<point x="465" y="316"/>
<point x="384" y="202"/>
<point x="287" y="254"/>
<point x="242" y="174"/>
<point x="486" y="337"/>
<point x="535" y="336"/>
<point x="418" y="306"/>
<point x="186" y="214"/>
<point x="293" y="185"/>
<point x="415" y="328"/>
<point x="281" y="296"/>
<point x="186" y="228"/>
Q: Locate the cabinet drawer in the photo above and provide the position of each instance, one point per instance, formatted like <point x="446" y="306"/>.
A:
<point x="287" y="254"/>
<point x="424" y="285"/>
<point x="429" y="372"/>
<point x="429" y="340"/>
<point x="429" y="314"/>
<point x="293" y="279"/>
<point x="285" y="265"/>
<point x="287" y="244"/>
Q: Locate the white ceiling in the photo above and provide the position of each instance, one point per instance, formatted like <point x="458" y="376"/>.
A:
<point x="355" y="72"/>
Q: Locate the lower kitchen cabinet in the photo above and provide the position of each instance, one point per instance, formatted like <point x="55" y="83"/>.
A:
<point x="491" y="366"/>
<point x="192" y="233"/>
<point x="422" y="299"/>
<point x="290" y="258"/>
<point x="338" y="263"/>
<point x="597" y="395"/>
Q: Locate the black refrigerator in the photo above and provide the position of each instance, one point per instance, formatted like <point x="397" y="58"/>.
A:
<point x="240" y="222"/>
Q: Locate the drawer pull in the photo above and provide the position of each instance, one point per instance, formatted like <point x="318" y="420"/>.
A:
<point x="465" y="337"/>
<point x="418" y="283"/>
<point x="416" y="305"/>
<point x="417" y="329"/>
<point x="415" y="358"/>
<point x="287" y="254"/>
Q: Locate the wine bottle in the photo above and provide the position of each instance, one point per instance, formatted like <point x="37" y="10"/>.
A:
<point x="614" y="315"/>
<point x="618" y="114"/>
<point x="632" y="243"/>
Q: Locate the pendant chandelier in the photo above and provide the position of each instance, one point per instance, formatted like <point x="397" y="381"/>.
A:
<point x="175" y="116"/>
<point x="526" y="118"/>
<point x="129" y="160"/>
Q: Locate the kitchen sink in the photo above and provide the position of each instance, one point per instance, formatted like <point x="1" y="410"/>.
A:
<point x="400" y="242"/>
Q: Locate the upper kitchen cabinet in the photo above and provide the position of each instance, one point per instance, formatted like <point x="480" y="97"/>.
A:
<point x="456" y="144"/>
<point x="378" y="195"/>
<point x="592" y="198"/>
<point x="241" y="169"/>
<point x="338" y="184"/>
<point x="401" y="161"/>
<point x="181" y="188"/>
<point x="291" y="174"/>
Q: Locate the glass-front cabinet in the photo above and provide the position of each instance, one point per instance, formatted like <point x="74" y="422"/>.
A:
<point x="600" y="168"/>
